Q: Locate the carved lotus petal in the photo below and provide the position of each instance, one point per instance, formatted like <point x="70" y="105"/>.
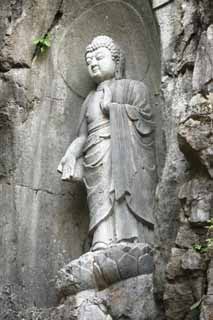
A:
<point x="145" y="264"/>
<point x="128" y="266"/>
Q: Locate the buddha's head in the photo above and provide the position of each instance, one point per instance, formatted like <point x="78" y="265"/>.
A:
<point x="104" y="59"/>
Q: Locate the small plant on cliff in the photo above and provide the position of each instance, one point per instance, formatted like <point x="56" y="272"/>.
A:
<point x="201" y="248"/>
<point x="42" y="44"/>
<point x="195" y="309"/>
<point x="204" y="248"/>
<point x="209" y="239"/>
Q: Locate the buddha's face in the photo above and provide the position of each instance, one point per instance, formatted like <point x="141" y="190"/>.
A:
<point x="100" y="64"/>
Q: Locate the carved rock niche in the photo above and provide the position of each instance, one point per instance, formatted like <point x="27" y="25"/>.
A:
<point x="130" y="23"/>
<point x="95" y="277"/>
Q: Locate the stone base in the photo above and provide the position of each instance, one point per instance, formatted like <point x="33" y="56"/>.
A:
<point x="100" y="269"/>
<point x="115" y="283"/>
<point x="128" y="299"/>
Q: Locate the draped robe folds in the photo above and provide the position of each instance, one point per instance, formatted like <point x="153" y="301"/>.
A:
<point x="119" y="162"/>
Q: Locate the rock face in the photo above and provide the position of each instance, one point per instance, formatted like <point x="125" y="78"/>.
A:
<point x="130" y="299"/>
<point x="187" y="175"/>
<point x="43" y="224"/>
<point x="207" y="305"/>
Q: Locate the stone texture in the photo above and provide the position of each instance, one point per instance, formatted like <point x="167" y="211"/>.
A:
<point x="93" y="311"/>
<point x="109" y="268"/>
<point x="10" y="303"/>
<point x="102" y="268"/>
<point x="129" y="299"/>
<point x="187" y="108"/>
<point x="43" y="224"/>
<point x="174" y="266"/>
<point x="195" y="134"/>
<point x="196" y="199"/>
<point x="186" y="237"/>
<point x="178" y="300"/>
<point x="158" y="3"/>
<point x="203" y="70"/>
<point x="21" y="16"/>
<point x="77" y="275"/>
<point x="37" y="229"/>
<point x="192" y="260"/>
<point x="35" y="107"/>
<point x="207" y="302"/>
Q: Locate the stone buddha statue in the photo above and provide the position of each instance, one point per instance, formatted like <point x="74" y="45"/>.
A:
<point x="114" y="151"/>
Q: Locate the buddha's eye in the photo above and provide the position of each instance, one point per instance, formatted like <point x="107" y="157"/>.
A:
<point x="100" y="57"/>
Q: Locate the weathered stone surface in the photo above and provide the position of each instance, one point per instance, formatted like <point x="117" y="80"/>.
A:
<point x="180" y="39"/>
<point x="179" y="297"/>
<point x="101" y="268"/>
<point x="186" y="43"/>
<point x="174" y="171"/>
<point x="131" y="260"/>
<point x="195" y="133"/>
<point x="174" y="266"/>
<point x="75" y="39"/>
<point x="10" y="303"/>
<point x="24" y="21"/>
<point x="158" y="3"/>
<point x="77" y="275"/>
<point x="167" y="13"/>
<point x="37" y="229"/>
<point x="43" y="224"/>
<point x="210" y="278"/>
<point x="107" y="270"/>
<point x="207" y="302"/>
<point x="186" y="237"/>
<point x="203" y="70"/>
<point x="145" y="264"/>
<point x="192" y="260"/>
<point x="196" y="199"/>
<point x="127" y="266"/>
<point x="187" y="268"/>
<point x="35" y="108"/>
<point x="131" y="299"/>
<point x="105" y="134"/>
<point x="93" y="311"/>
<point x="207" y="308"/>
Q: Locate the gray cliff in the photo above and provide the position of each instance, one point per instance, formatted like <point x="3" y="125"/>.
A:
<point x="46" y="271"/>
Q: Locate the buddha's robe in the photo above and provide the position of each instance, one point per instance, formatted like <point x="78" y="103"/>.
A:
<point x="119" y="162"/>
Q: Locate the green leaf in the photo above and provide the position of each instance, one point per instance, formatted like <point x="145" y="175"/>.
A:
<point x="200" y="248"/>
<point x="197" y="247"/>
<point x="209" y="242"/>
<point x="46" y="42"/>
<point x="210" y="221"/>
<point x="43" y="42"/>
<point x="36" y="41"/>
<point x="196" y="304"/>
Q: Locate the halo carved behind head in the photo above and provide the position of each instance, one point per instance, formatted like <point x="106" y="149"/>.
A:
<point x="117" y="53"/>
